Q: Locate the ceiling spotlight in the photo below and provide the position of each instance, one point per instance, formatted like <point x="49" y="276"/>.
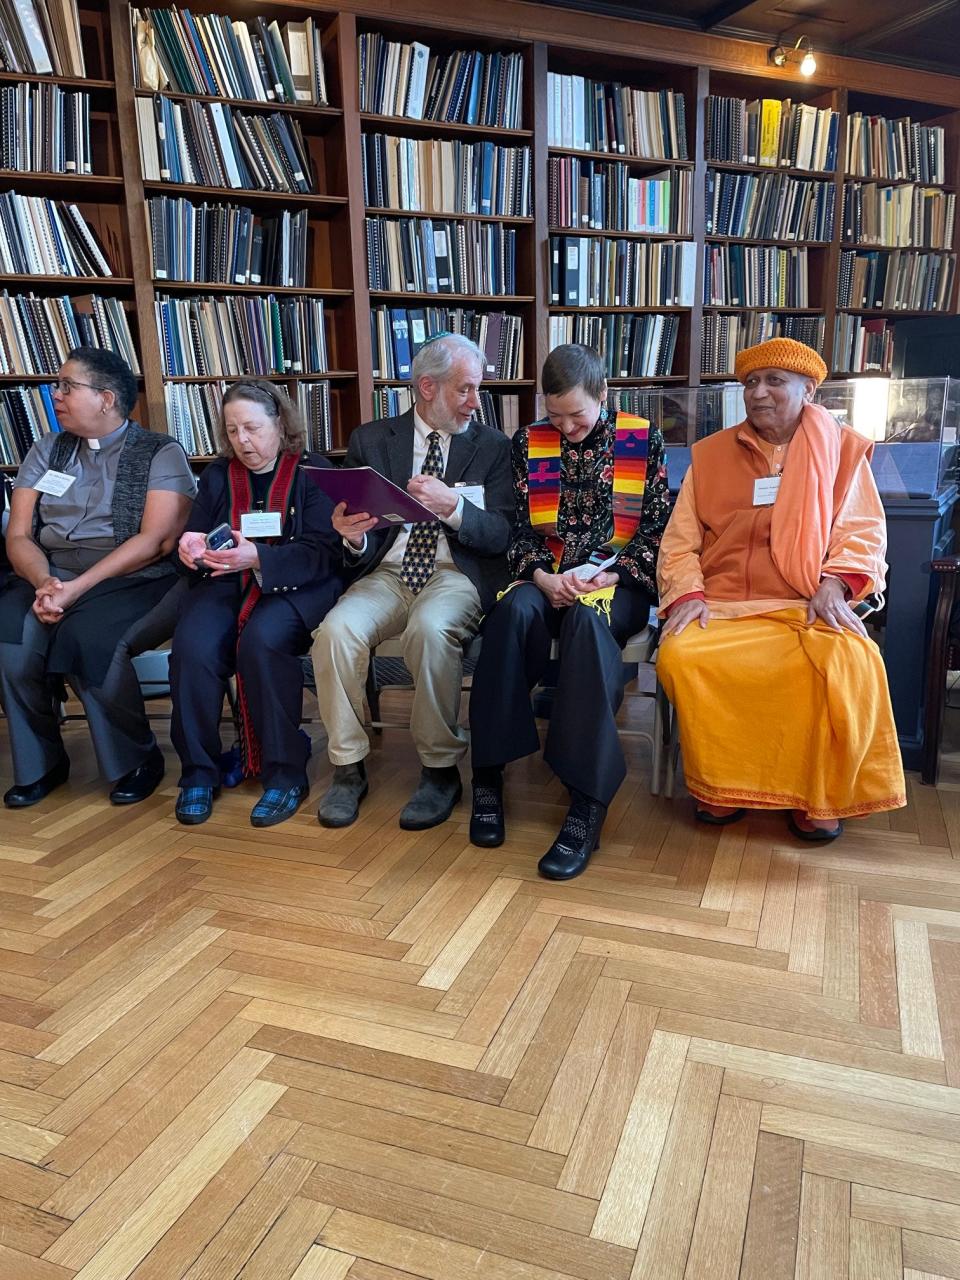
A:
<point x="801" y="53"/>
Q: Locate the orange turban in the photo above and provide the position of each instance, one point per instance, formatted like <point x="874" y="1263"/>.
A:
<point x="781" y="353"/>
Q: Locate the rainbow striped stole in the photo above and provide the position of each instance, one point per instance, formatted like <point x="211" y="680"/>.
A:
<point x="629" y="481"/>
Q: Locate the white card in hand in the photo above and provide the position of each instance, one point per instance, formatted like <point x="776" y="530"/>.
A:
<point x="472" y="492"/>
<point x="587" y="572"/>
<point x="54" y="482"/>
<point x="260" y="524"/>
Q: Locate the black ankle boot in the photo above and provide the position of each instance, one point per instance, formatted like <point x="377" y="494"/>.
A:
<point x="579" y="836"/>
<point x="487" y="828"/>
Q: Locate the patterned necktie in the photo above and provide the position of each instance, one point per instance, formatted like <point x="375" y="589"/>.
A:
<point x="420" y="554"/>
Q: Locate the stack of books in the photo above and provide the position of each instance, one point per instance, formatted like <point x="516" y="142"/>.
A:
<point x="226" y="244"/>
<point x="641" y="401"/>
<point x="725" y="335"/>
<point x="45" y="129"/>
<point x="47" y="238"/>
<point x="591" y="115"/>
<point x="862" y="345"/>
<point x="432" y="176"/>
<point x="37" y="333"/>
<point x="895" y="281"/>
<point x="26" y="413"/>
<point x="737" y="275"/>
<point x="193" y="413"/>
<point x="213" y="145"/>
<point x="313" y="401"/>
<point x="463" y="87"/>
<point x="231" y="337"/>
<point x="769" y="132"/>
<point x="898" y="217"/>
<point x="768" y="206"/>
<point x="602" y="196"/>
<point x="586" y="271"/>
<point x="428" y="255"/>
<point x="41" y="37"/>
<point x="256" y="61"/>
<point x="496" y="408"/>
<point x="881" y="148"/>
<point x="630" y="346"/>
<point x="398" y="333"/>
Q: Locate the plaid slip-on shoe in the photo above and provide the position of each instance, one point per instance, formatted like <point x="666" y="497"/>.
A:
<point x="195" y="804"/>
<point x="276" y="806"/>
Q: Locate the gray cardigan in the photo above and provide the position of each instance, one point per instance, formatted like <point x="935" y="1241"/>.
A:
<point x="479" y="455"/>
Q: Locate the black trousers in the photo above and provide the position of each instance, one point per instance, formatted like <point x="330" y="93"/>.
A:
<point x="582" y="747"/>
<point x="205" y="654"/>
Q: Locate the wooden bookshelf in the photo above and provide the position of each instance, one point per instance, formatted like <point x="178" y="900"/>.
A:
<point x="643" y="56"/>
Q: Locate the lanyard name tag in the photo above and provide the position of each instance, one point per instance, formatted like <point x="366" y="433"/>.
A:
<point x="260" y="524"/>
<point x="472" y="492"/>
<point x="54" y="482"/>
<point x="765" y="490"/>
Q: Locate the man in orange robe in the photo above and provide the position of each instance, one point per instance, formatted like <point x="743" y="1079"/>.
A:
<point x="778" y="529"/>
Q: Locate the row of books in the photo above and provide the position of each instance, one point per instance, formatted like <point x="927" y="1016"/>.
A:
<point x="593" y="115"/>
<point x="45" y="129"/>
<point x="497" y="409"/>
<point x="434" y="176"/>
<point x="226" y="244"/>
<point x="881" y="148"/>
<point x="896" y="281"/>
<point x="462" y="87"/>
<point x="207" y="53"/>
<point x="630" y="346"/>
<point x="398" y="333"/>
<point x="36" y="333"/>
<point x="26" y="413"/>
<point x="604" y="196"/>
<point x="214" y="145"/>
<point x="430" y="255"/>
<point x="862" y="345"/>
<point x="769" y="206"/>
<point x="898" y="216"/>
<point x="193" y="411"/>
<point x="726" y="334"/>
<point x="771" y="132"/>
<point x="228" y="337"/>
<point x="47" y="238"/>
<point x="589" y="272"/>
<point x="738" y="275"/>
<point x="41" y="37"/>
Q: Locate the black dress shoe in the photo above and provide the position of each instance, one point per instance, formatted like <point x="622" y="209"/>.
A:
<point x="33" y="793"/>
<point x="487" y="829"/>
<point x="141" y="782"/>
<point x="579" y="836"/>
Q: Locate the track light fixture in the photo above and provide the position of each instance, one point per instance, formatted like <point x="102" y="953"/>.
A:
<point x="802" y="53"/>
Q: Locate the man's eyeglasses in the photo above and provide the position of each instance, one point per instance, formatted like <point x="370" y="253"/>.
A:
<point x="66" y="385"/>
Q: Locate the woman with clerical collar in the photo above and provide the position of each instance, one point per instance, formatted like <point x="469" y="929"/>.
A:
<point x="253" y="605"/>
<point x="97" y="508"/>
<point x="592" y="503"/>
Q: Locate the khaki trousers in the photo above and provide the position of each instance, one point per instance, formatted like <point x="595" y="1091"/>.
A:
<point x="434" y="624"/>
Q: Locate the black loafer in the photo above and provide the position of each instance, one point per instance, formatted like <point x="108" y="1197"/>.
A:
<point x="140" y="783"/>
<point x="579" y="837"/>
<point x="487" y="829"/>
<point x="34" y="792"/>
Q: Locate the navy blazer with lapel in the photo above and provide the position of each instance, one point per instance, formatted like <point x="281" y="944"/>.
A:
<point x="480" y="455"/>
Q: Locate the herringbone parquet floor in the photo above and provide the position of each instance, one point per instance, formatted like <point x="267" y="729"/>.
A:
<point x="380" y="1055"/>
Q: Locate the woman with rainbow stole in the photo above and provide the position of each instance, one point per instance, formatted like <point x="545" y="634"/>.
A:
<point x="592" y="504"/>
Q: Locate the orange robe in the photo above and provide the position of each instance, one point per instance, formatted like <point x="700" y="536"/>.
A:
<point x="775" y="712"/>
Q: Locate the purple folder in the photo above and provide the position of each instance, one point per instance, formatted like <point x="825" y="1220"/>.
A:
<point x="364" y="489"/>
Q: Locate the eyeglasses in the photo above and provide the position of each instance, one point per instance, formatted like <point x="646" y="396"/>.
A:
<point x="66" y="385"/>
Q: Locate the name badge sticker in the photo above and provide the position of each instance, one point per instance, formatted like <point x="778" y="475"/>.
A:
<point x="260" y="524"/>
<point x="765" y="490"/>
<point x="473" y="493"/>
<point x="55" y="483"/>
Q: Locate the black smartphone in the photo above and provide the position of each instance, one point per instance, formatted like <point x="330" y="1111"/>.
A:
<point x="220" y="538"/>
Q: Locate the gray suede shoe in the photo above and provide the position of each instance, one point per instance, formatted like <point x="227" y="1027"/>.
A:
<point x="341" y="803"/>
<point x="434" y="799"/>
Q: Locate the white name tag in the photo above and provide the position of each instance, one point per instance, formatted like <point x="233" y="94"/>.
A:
<point x="54" y="482"/>
<point x="260" y="524"/>
<point x="765" y="490"/>
<point x="473" y="493"/>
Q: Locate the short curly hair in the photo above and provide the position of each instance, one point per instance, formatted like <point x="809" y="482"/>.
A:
<point x="108" y="372"/>
<point x="276" y="403"/>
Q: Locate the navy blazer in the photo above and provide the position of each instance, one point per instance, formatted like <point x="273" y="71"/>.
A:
<point x="308" y="554"/>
